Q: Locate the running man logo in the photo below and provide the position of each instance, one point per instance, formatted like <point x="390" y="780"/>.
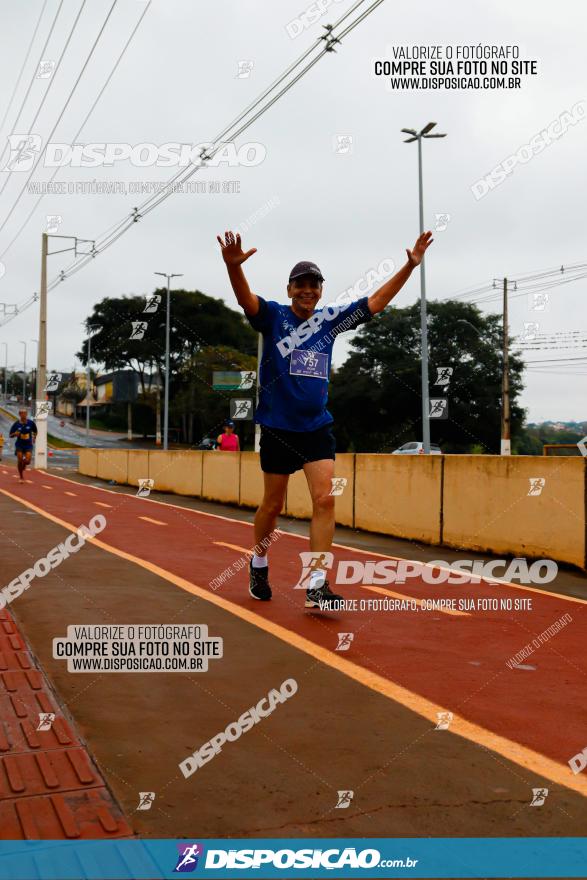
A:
<point x="189" y="855"/>
<point x="443" y="376"/>
<point x="441" y="221"/>
<point x="23" y="150"/>
<point x="344" y="800"/>
<point x="46" y="68"/>
<point x="537" y="484"/>
<point x="438" y="408"/>
<point x="138" y="329"/>
<point x="539" y="302"/>
<point x="312" y="561"/>
<point x="46" y="719"/>
<point x="53" y="380"/>
<point x="244" y="69"/>
<point x="247" y="379"/>
<point x="43" y="409"/>
<point x="153" y="303"/>
<point x="338" y="485"/>
<point x="530" y="330"/>
<point x="444" y="720"/>
<point x="344" y="641"/>
<point x="539" y="795"/>
<point x="53" y="223"/>
<point x="145" y="486"/>
<point x="146" y="799"/>
<point x="241" y="409"/>
<point x="342" y="144"/>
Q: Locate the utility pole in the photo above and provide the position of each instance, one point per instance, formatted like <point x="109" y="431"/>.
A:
<point x="5" y="344"/>
<point x="167" y="326"/>
<point x="506" y="448"/>
<point x="22" y="342"/>
<point x="417" y="136"/>
<point x="41" y="384"/>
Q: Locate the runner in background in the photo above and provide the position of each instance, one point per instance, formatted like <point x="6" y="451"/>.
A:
<point x="228" y="441"/>
<point x="25" y="432"/>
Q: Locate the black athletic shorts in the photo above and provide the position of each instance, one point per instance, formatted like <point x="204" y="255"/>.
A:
<point x="283" y="452"/>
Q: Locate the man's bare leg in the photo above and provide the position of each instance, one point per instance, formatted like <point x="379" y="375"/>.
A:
<point x="319" y="475"/>
<point x="20" y="465"/>
<point x="269" y="509"/>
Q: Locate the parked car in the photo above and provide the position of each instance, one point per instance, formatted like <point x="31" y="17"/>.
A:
<point x="416" y="448"/>
<point x="207" y="443"/>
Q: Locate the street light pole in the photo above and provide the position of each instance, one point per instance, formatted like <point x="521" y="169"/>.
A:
<point x="167" y="326"/>
<point x="5" y="344"/>
<point x="22" y="342"/>
<point x="90" y="328"/>
<point x="506" y="443"/>
<point x="417" y="136"/>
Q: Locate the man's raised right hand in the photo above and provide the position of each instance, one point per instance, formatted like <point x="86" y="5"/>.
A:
<point x="232" y="252"/>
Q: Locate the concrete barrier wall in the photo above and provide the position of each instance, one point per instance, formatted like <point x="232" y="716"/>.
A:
<point x="487" y="505"/>
<point x="476" y="502"/>
<point x="177" y="471"/>
<point x="399" y="495"/>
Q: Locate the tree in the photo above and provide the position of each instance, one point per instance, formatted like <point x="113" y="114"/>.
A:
<point x="376" y="394"/>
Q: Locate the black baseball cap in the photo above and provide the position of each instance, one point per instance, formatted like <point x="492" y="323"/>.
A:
<point x="305" y="268"/>
<point x="229" y="423"/>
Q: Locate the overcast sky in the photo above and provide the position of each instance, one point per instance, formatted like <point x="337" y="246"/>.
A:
<point x="347" y="211"/>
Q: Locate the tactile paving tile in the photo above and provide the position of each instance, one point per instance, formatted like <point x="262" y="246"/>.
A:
<point x="81" y="815"/>
<point x="50" y="789"/>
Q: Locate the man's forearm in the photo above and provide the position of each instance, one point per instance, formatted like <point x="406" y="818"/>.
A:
<point x="239" y="283"/>
<point x="384" y="295"/>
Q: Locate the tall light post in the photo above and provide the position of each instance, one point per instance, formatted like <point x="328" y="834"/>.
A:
<point x="5" y="344"/>
<point x="34" y="377"/>
<point x="167" y="320"/>
<point x="417" y="136"/>
<point x="22" y="342"/>
<point x="90" y="329"/>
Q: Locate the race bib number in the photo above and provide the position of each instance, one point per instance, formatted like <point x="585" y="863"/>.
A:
<point x="24" y="436"/>
<point x="308" y="363"/>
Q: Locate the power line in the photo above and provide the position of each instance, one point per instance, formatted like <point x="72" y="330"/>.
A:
<point x="328" y="41"/>
<point x="51" y="81"/>
<point x="80" y="129"/>
<point x="81" y="73"/>
<point x="24" y="63"/>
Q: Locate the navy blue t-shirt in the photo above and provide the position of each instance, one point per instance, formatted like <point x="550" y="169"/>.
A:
<point x="295" y="367"/>
<point x="24" y="438"/>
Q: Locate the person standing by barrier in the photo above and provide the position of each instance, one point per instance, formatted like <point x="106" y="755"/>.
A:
<point x="228" y="441"/>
